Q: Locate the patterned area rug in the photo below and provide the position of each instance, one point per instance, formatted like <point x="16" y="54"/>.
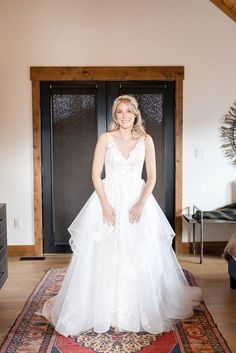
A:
<point x="32" y="334"/>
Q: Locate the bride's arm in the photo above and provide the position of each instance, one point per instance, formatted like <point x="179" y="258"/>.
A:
<point x="150" y="163"/>
<point x="98" y="162"/>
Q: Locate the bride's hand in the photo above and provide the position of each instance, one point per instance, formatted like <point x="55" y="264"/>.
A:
<point x="135" y="212"/>
<point x="108" y="214"/>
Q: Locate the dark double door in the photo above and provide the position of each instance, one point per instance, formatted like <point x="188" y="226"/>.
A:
<point x="73" y="115"/>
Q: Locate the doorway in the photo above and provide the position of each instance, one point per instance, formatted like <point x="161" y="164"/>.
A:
<point x="73" y="115"/>
<point x="58" y="74"/>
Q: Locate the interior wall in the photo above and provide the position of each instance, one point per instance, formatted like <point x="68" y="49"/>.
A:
<point x="195" y="34"/>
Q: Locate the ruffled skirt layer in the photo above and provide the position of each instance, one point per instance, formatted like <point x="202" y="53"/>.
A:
<point x="127" y="275"/>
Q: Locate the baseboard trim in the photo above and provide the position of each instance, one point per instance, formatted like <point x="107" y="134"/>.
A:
<point x="20" y="250"/>
<point x="184" y="248"/>
<point x="210" y="247"/>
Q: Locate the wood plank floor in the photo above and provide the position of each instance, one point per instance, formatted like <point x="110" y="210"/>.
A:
<point x="211" y="276"/>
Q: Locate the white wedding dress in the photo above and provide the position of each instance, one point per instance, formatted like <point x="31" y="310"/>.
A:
<point x="124" y="276"/>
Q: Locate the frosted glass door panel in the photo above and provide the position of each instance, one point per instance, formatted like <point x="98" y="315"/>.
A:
<point x="74" y="127"/>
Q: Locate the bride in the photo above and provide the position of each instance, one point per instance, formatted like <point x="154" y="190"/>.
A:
<point x="123" y="273"/>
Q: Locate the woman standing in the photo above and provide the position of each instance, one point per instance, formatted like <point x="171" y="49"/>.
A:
<point x="123" y="273"/>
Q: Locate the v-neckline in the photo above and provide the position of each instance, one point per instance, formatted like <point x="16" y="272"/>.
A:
<point x="118" y="149"/>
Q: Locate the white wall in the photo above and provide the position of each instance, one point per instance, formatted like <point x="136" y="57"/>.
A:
<point x="108" y="32"/>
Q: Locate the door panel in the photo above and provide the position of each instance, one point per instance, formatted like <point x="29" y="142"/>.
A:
<point x="73" y="115"/>
<point x="72" y="124"/>
<point x="73" y="121"/>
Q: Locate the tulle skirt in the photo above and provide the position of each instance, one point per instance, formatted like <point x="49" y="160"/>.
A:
<point x="124" y="276"/>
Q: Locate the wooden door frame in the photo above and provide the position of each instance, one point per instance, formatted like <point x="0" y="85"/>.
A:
<point x="105" y="73"/>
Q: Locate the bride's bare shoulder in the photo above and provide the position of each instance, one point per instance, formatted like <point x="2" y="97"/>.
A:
<point x="149" y="144"/>
<point x="148" y="138"/>
<point x="103" y="139"/>
<point x="104" y="136"/>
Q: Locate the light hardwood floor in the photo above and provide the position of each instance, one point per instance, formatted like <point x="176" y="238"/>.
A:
<point x="211" y="276"/>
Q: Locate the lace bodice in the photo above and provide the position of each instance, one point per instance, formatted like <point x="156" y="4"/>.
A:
<point x="118" y="166"/>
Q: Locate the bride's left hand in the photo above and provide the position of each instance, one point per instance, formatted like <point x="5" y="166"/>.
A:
<point x="135" y="212"/>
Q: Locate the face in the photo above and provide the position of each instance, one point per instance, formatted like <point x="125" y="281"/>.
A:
<point x="124" y="116"/>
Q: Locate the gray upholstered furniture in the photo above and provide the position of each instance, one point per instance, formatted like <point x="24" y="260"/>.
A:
<point x="3" y="244"/>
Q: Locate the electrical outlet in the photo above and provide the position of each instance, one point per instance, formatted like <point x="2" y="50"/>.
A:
<point x="199" y="153"/>
<point x="17" y="223"/>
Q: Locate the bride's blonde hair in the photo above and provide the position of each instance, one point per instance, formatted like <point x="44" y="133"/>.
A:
<point x="138" y="128"/>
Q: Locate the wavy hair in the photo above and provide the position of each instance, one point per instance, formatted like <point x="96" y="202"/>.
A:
<point x="138" y="127"/>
